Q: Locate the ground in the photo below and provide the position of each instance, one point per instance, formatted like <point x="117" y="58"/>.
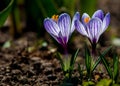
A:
<point x="31" y="61"/>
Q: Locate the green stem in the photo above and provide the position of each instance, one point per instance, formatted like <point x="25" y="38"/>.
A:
<point x="67" y="66"/>
<point x="67" y="63"/>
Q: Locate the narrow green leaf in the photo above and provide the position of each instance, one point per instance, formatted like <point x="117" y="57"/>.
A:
<point x="61" y="61"/>
<point x="87" y="60"/>
<point x="80" y="71"/>
<point x="115" y="67"/>
<point x="95" y="65"/>
<point x="106" y="66"/>
<point x="106" y="51"/>
<point x="5" y="12"/>
<point x="16" y="18"/>
<point x="105" y="62"/>
<point x="99" y="59"/>
<point x="73" y="58"/>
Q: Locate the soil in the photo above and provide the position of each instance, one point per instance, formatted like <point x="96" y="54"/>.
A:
<point x="23" y="64"/>
<point x="31" y="61"/>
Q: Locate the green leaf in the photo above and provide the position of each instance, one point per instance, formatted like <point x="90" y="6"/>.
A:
<point x="106" y="51"/>
<point x="106" y="63"/>
<point x="15" y="13"/>
<point x="72" y="62"/>
<point x="99" y="59"/>
<point x="88" y="60"/>
<point x="89" y="83"/>
<point x="115" y="67"/>
<point x="5" y="12"/>
<point x="104" y="82"/>
<point x="95" y="65"/>
<point x="61" y="61"/>
<point x="73" y="58"/>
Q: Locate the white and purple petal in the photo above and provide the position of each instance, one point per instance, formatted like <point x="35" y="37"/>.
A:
<point x="106" y="22"/>
<point x="64" y="23"/>
<point x="94" y="26"/>
<point x="51" y="27"/>
<point x="99" y="14"/>
<point x="80" y="28"/>
<point x="60" y="39"/>
<point x="75" y="17"/>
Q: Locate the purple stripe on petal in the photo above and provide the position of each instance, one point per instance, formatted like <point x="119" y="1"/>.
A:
<point x="64" y="23"/>
<point x="94" y="26"/>
<point x="76" y="17"/>
<point x="106" y="22"/>
<point x="62" y="40"/>
<point x="51" y="27"/>
<point x="99" y="14"/>
<point x="65" y="41"/>
<point x="80" y="28"/>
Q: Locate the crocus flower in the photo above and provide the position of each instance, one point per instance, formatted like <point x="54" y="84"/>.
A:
<point x="61" y="28"/>
<point x="93" y="27"/>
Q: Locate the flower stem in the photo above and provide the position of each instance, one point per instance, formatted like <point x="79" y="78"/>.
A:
<point x="66" y="62"/>
<point x="94" y="49"/>
<point x="94" y="54"/>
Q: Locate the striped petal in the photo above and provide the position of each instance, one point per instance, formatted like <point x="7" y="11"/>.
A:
<point x="94" y="27"/>
<point x="76" y="17"/>
<point x="106" y="22"/>
<point x="64" y="23"/>
<point x="80" y="28"/>
<point x="62" y="40"/>
<point x="51" y="27"/>
<point x="99" y="14"/>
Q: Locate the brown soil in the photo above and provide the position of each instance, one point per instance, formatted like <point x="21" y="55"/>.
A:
<point x="30" y="61"/>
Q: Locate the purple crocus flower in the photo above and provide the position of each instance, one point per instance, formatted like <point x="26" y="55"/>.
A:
<point x="61" y="28"/>
<point x="93" y="27"/>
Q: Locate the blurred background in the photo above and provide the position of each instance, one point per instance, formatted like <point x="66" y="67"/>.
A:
<point x="28" y="15"/>
<point x="27" y="50"/>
